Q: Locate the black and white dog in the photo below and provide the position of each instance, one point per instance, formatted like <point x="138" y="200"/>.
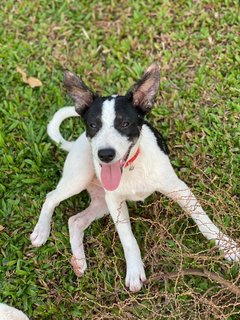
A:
<point x="120" y="157"/>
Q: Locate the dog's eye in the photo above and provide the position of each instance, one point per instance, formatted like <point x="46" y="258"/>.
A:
<point x="93" y="125"/>
<point x="125" y="124"/>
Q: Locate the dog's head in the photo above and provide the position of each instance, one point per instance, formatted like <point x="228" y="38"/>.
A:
<point x="113" y="124"/>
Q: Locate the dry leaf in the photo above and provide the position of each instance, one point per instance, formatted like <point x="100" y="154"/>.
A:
<point x="1" y="227"/>
<point x="33" y="82"/>
<point x="23" y="74"/>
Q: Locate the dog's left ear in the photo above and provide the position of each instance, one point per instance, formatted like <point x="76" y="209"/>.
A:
<point x="144" y="91"/>
<point x="78" y="91"/>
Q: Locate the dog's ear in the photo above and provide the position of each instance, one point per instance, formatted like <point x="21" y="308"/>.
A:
<point x="78" y="91"/>
<point x="144" y="91"/>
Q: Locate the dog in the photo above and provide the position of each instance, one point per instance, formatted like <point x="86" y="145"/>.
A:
<point x="11" y="313"/>
<point x="119" y="157"/>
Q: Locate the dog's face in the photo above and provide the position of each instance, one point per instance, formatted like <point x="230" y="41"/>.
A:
<point x="113" y="124"/>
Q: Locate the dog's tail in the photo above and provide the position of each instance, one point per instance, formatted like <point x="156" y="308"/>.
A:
<point x="54" y="125"/>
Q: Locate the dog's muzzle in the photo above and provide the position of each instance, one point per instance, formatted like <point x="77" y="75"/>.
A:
<point x="111" y="172"/>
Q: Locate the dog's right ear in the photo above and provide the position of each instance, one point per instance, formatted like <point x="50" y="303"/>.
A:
<point x="78" y="91"/>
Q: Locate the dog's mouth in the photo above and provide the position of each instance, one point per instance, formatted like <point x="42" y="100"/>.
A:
<point x="111" y="173"/>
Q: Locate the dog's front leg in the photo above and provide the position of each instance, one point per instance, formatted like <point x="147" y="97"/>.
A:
<point x="77" y="174"/>
<point x="135" y="269"/>
<point x="177" y="190"/>
<point x="63" y="191"/>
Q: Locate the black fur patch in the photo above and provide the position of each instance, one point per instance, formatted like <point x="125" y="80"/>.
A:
<point x="128" y="120"/>
<point x="160" y="140"/>
<point x="92" y="116"/>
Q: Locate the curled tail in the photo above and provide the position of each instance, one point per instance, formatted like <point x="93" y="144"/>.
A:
<point x="54" y="125"/>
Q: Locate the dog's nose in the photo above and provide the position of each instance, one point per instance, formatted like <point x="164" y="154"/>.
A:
<point x="106" y="155"/>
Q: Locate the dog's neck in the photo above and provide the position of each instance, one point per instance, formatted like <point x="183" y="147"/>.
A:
<point x="131" y="160"/>
<point x="133" y="155"/>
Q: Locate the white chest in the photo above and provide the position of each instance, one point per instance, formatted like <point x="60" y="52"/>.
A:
<point x="136" y="184"/>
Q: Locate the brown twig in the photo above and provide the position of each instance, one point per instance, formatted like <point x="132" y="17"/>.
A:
<point x="201" y="273"/>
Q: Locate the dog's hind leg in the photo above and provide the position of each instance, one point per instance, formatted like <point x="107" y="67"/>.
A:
<point x="78" y="172"/>
<point x="179" y="192"/>
<point x="78" y="223"/>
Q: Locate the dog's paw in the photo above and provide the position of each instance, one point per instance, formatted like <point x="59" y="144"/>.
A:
<point x="79" y="266"/>
<point x="135" y="277"/>
<point x="39" y="235"/>
<point x="230" y="248"/>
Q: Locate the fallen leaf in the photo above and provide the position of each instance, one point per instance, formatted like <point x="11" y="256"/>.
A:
<point x="33" y="82"/>
<point x="1" y="227"/>
<point x="23" y="74"/>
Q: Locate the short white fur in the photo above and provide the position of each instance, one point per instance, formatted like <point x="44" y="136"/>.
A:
<point x="11" y="313"/>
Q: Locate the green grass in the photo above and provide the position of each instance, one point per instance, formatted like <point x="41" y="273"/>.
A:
<point x="109" y="44"/>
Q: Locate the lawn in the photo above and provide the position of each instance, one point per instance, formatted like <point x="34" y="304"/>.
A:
<point x="109" y="44"/>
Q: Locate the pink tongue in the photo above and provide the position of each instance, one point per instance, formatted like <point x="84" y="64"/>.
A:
<point x="111" y="175"/>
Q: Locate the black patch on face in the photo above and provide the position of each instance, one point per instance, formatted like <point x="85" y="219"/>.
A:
<point x="92" y="116"/>
<point x="160" y="140"/>
<point x="128" y="120"/>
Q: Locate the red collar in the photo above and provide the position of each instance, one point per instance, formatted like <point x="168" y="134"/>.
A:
<point x="130" y="161"/>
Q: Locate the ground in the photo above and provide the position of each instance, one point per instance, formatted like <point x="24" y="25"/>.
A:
<point x="109" y="44"/>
